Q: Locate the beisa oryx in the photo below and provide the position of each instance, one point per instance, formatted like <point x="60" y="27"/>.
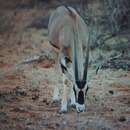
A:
<point x="69" y="34"/>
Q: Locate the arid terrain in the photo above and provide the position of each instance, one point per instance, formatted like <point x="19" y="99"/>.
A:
<point x="25" y="89"/>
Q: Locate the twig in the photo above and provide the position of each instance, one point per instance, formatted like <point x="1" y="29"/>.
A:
<point x="105" y="61"/>
<point x="35" y="58"/>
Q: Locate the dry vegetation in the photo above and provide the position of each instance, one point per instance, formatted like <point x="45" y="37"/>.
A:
<point x="25" y="89"/>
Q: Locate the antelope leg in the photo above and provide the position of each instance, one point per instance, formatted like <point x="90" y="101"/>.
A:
<point x="63" y="108"/>
<point x="56" y="97"/>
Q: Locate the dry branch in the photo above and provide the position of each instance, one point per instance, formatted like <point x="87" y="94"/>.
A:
<point x="117" y="62"/>
<point x="36" y="58"/>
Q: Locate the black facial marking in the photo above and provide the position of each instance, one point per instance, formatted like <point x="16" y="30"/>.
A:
<point x="81" y="84"/>
<point x="74" y="92"/>
<point x="81" y="97"/>
<point x="86" y="90"/>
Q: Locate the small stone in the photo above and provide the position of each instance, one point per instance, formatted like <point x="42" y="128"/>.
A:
<point x="35" y="97"/>
<point x="122" y="119"/>
<point x="19" y="109"/>
<point x="111" y="92"/>
<point x="47" y="103"/>
<point x="57" y="124"/>
<point x="128" y="102"/>
<point x="20" y="91"/>
<point x="112" y="109"/>
<point x="44" y="100"/>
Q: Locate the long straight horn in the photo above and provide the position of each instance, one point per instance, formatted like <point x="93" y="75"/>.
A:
<point x="86" y="61"/>
<point x="86" y="66"/>
<point x="75" y="60"/>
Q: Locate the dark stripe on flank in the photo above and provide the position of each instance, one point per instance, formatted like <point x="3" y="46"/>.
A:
<point x="63" y="68"/>
<point x="54" y="45"/>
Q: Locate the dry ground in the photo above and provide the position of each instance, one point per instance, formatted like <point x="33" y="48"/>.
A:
<point x="25" y="92"/>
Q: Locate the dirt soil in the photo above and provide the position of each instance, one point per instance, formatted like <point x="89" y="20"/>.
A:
<point x="25" y="91"/>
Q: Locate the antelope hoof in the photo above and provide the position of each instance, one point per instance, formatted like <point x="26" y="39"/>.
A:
<point x="73" y="105"/>
<point x="55" y="102"/>
<point x="62" y="111"/>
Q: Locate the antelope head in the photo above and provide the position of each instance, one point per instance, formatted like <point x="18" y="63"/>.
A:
<point x="80" y="86"/>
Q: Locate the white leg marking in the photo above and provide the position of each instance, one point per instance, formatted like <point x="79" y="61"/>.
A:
<point x="72" y="97"/>
<point x="64" y="96"/>
<point x="56" y="96"/>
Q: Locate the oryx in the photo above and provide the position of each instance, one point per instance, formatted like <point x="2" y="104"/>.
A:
<point x="69" y="34"/>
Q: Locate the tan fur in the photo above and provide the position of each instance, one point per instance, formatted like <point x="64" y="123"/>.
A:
<point x="66" y="27"/>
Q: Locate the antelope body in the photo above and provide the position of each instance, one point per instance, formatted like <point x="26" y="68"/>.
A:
<point x="69" y="34"/>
